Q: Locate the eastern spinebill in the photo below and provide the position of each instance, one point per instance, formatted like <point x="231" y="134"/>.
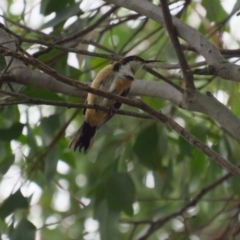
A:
<point x="115" y="78"/>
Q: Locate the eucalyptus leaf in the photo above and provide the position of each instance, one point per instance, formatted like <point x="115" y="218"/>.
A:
<point x="12" y="203"/>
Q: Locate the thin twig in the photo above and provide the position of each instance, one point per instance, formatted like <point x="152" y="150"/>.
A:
<point x="70" y="193"/>
<point x="133" y="36"/>
<point x="225" y="52"/>
<point x="187" y="74"/>
<point x="159" y="223"/>
<point x="160" y="76"/>
<point x="134" y="103"/>
<point x="35" y="162"/>
<point x="78" y="34"/>
<point x="36" y="101"/>
<point x="208" y="221"/>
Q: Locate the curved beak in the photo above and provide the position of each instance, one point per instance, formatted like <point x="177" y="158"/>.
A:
<point x="150" y="63"/>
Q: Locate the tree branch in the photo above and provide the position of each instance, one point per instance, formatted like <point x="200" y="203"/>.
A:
<point x="159" y="223"/>
<point x="135" y="103"/>
<point x="10" y="43"/>
<point x="132" y="102"/>
<point x="79" y="34"/>
<point x="187" y="74"/>
<point x="36" y="101"/>
<point x="214" y="58"/>
<point x="195" y="102"/>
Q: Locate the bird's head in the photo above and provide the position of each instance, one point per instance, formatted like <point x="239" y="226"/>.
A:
<point x="132" y="64"/>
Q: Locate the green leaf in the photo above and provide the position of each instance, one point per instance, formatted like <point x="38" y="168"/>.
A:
<point x="51" y="161"/>
<point x="215" y="11"/>
<point x="11" y="133"/>
<point x="200" y="131"/>
<point x="44" y="7"/>
<point x="69" y="158"/>
<point x="50" y="6"/>
<point x="10" y="116"/>
<point x="120" y="193"/>
<point x="31" y="139"/>
<point x="107" y="218"/>
<point x="6" y="164"/>
<point x="198" y="164"/>
<point x="12" y="203"/>
<point x="25" y="230"/>
<point x="146" y="147"/>
<point x="49" y="125"/>
<point x="185" y="149"/>
<point x="63" y="15"/>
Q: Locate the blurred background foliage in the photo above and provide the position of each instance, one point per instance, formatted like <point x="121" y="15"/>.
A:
<point x="138" y="171"/>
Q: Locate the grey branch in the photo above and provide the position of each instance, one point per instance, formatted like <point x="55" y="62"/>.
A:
<point x="19" y="73"/>
<point x="10" y="42"/>
<point x="132" y="102"/>
<point x="203" y="103"/>
<point x="198" y="102"/>
<point x="219" y="65"/>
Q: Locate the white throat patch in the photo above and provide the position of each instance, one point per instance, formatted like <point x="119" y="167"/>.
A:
<point x="125" y="70"/>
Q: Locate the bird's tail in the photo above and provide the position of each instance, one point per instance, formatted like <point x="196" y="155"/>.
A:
<point x="83" y="138"/>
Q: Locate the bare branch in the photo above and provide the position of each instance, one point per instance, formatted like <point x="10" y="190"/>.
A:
<point x="132" y="102"/>
<point x="9" y="43"/>
<point x="135" y="103"/>
<point x="159" y="223"/>
<point x="187" y="75"/>
<point x="36" y="101"/>
<point x="79" y="34"/>
<point x="214" y="58"/>
<point x="195" y="102"/>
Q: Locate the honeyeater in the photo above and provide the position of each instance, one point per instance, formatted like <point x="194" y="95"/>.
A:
<point x="115" y="78"/>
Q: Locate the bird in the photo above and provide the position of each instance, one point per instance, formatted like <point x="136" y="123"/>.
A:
<point x="114" y="78"/>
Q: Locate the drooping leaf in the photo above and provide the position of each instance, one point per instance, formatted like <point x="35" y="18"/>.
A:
<point x="185" y="149"/>
<point x="12" y="203"/>
<point x="63" y="15"/>
<point x="49" y="125"/>
<point x="49" y="6"/>
<point x="146" y="147"/>
<point x="11" y="133"/>
<point x="68" y="157"/>
<point x="200" y="131"/>
<point x="51" y="161"/>
<point x="198" y="164"/>
<point x="6" y="164"/>
<point x="215" y="11"/>
<point x="107" y="218"/>
<point x="120" y="193"/>
<point x="25" y="230"/>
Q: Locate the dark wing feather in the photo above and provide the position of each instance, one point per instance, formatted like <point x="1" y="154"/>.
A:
<point x="117" y="105"/>
<point x="84" y="109"/>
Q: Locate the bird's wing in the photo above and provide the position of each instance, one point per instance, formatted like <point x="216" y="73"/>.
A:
<point x="84" y="109"/>
<point x="117" y="105"/>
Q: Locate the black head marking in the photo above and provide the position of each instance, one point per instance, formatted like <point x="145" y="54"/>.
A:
<point x="129" y="77"/>
<point x="125" y="61"/>
<point x="116" y="67"/>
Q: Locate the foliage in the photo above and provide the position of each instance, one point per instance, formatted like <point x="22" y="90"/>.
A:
<point x="139" y="175"/>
